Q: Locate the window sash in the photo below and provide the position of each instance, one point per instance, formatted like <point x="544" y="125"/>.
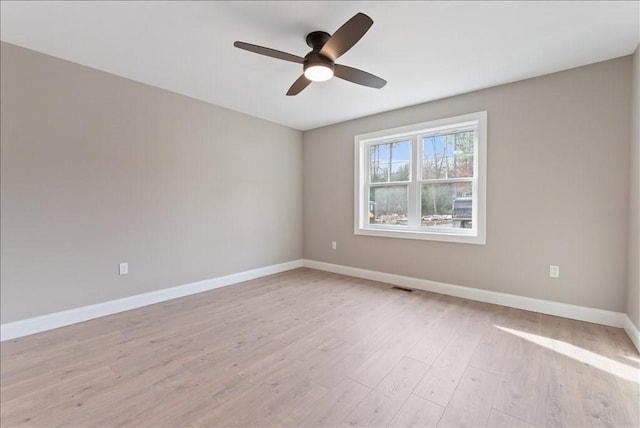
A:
<point x="421" y="160"/>
<point x="369" y="165"/>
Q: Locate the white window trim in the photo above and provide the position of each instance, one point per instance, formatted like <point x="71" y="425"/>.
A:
<point x="361" y="198"/>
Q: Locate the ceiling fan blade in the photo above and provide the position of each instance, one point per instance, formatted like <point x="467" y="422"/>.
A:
<point x="346" y="36"/>
<point x="358" y="76"/>
<point x="298" y="85"/>
<point x="268" y="52"/>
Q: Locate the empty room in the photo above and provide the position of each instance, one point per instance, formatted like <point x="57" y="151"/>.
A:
<point x="320" y="214"/>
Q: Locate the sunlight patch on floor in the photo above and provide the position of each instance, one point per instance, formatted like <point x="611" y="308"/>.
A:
<point x="608" y="365"/>
<point x="634" y="359"/>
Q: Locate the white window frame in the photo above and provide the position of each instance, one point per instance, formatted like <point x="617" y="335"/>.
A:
<point x="477" y="234"/>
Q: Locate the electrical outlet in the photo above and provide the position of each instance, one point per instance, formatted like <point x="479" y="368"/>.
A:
<point x="334" y="245"/>
<point x="123" y="268"/>
<point x="554" y="271"/>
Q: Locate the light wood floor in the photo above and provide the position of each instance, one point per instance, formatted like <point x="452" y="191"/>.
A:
<point x="310" y="348"/>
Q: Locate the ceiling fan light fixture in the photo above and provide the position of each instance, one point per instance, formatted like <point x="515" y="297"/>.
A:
<point x="318" y="72"/>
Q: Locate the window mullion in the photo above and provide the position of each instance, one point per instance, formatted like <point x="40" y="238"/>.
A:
<point x="414" y="189"/>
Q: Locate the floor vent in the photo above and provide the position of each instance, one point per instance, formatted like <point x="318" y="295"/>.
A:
<point x="408" y="290"/>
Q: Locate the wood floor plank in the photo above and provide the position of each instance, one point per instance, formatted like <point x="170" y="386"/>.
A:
<point x="471" y="402"/>
<point x="335" y="405"/>
<point x="276" y="404"/>
<point x="555" y="403"/>
<point x="492" y="350"/>
<point x="631" y="397"/>
<point x="405" y="336"/>
<point x="444" y="375"/>
<point x="184" y="404"/>
<point x="498" y="419"/>
<point x="381" y="404"/>
<point x="613" y="344"/>
<point x="37" y="372"/>
<point x="570" y="350"/>
<point x="417" y="412"/>
<point x="440" y="333"/>
<point x="372" y="333"/>
<point x="35" y="407"/>
<point x="520" y="387"/>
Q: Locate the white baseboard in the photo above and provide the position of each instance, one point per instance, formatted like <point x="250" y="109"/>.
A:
<point x="42" y="323"/>
<point x="38" y="324"/>
<point x="565" y="310"/>
<point x="632" y="331"/>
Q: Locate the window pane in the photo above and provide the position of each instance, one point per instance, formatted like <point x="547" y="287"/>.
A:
<point x="447" y="205"/>
<point x="448" y="156"/>
<point x="400" y="171"/>
<point x="390" y="162"/>
<point x="388" y="205"/>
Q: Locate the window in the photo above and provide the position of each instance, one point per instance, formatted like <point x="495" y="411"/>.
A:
<point x="424" y="181"/>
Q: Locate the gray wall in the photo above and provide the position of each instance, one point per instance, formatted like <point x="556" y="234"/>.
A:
<point x="633" y="293"/>
<point x="97" y="169"/>
<point x="558" y="180"/>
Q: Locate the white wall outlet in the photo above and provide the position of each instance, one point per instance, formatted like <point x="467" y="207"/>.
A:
<point x="554" y="271"/>
<point x="334" y="245"/>
<point x="124" y="268"/>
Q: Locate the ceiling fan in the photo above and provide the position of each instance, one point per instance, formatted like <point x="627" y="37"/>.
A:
<point x="319" y="64"/>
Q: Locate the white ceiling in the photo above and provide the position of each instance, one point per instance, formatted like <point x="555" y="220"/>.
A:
<point x="425" y="50"/>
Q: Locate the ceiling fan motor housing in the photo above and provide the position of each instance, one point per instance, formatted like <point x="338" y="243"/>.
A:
<point x="316" y="41"/>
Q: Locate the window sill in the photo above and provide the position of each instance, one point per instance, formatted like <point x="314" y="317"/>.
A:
<point x="430" y="235"/>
